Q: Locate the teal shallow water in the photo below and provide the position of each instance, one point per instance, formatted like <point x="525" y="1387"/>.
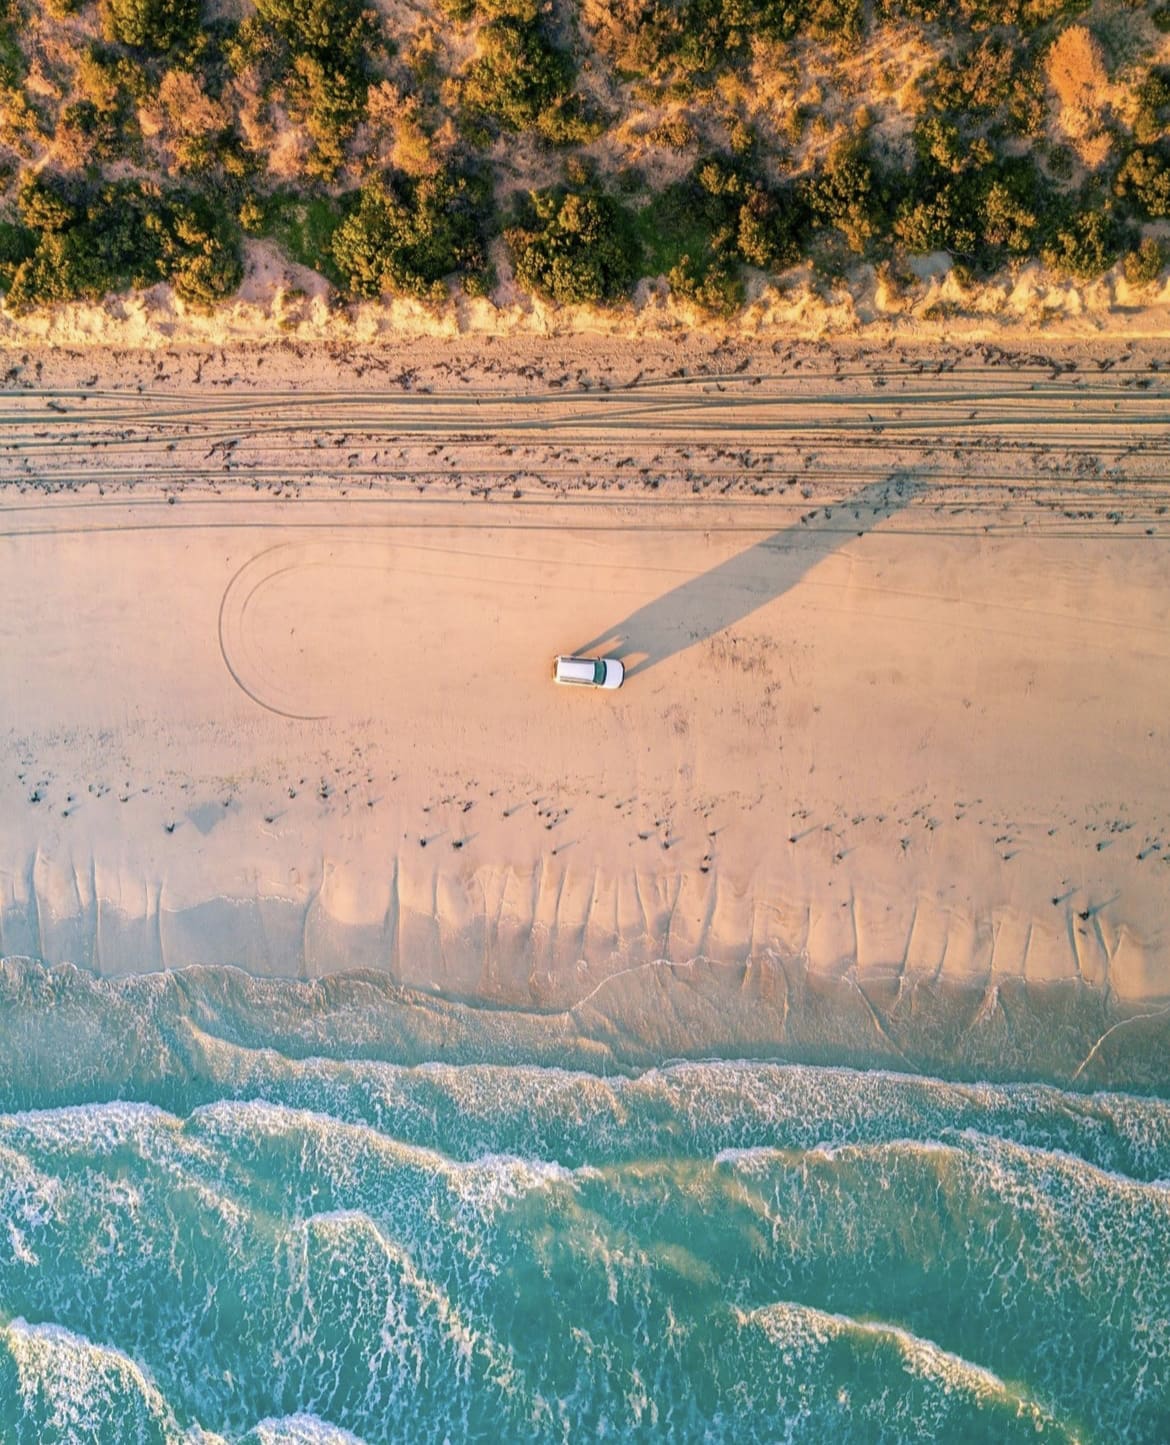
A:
<point x="218" y="1233"/>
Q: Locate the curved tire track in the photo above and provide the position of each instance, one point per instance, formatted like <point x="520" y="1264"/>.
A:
<point x="237" y="599"/>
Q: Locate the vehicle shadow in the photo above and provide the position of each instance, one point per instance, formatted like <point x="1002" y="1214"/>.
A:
<point x="727" y="593"/>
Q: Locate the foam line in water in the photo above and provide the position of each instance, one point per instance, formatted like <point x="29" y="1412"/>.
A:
<point x="145" y="1025"/>
<point x="300" y="1429"/>
<point x="62" y="1386"/>
<point x="229" y="1226"/>
<point x="795" y="1328"/>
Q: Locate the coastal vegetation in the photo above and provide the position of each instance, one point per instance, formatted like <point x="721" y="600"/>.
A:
<point x="576" y="145"/>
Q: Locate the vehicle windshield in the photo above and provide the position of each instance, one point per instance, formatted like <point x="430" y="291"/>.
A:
<point x="599" y="673"/>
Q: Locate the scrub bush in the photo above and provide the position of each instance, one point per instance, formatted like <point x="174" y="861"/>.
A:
<point x="407" y="234"/>
<point x="519" y="75"/>
<point x="152" y="25"/>
<point x="579" y="247"/>
<point x="1145" y="263"/>
<point x="81" y="242"/>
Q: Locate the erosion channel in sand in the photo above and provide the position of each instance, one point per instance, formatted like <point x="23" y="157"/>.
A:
<point x="886" y="780"/>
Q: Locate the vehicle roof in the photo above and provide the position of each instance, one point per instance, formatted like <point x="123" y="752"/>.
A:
<point x="578" y="668"/>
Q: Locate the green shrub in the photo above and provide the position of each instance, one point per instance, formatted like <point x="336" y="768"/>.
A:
<point x="61" y="268"/>
<point x="713" y="285"/>
<point x="686" y="39"/>
<point x="322" y="49"/>
<point x="338" y="33"/>
<point x="570" y="120"/>
<point x="124" y="225"/>
<point x="1084" y="246"/>
<point x="780" y="19"/>
<point x="1061" y="162"/>
<point x="210" y="154"/>
<point x="478" y="283"/>
<point x="676" y="132"/>
<point x="88" y="241"/>
<point x="518" y="74"/>
<point x="46" y="202"/>
<point x="996" y="81"/>
<point x="17" y="244"/>
<point x="22" y="127"/>
<point x="154" y="25"/>
<point x="1011" y="221"/>
<point x="13" y="65"/>
<point x="208" y="273"/>
<point x="941" y="147"/>
<point x="252" y="47"/>
<point x="1153" y="96"/>
<point x="847" y="195"/>
<point x="330" y="103"/>
<point x="1145" y="263"/>
<point x="407" y="235"/>
<point x="705" y="34"/>
<point x="944" y="222"/>
<point x="1024" y="15"/>
<point x="251" y="215"/>
<point x="580" y="247"/>
<point x="701" y="229"/>
<point x="525" y="11"/>
<point x="982" y="215"/>
<point x="83" y="128"/>
<point x="769" y="228"/>
<point x="199" y="248"/>
<point x="836" y="22"/>
<point x="1144" y="181"/>
<point x="112" y="81"/>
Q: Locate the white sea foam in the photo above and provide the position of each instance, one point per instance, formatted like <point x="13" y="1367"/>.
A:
<point x="78" y="1390"/>
<point x="447" y="1245"/>
<point x="798" y="1330"/>
<point x="300" y="1429"/>
<point x="93" y="1127"/>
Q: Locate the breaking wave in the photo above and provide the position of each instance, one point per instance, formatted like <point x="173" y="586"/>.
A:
<point x="213" y="1228"/>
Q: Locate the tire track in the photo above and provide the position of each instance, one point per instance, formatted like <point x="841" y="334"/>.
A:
<point x="1073" y="447"/>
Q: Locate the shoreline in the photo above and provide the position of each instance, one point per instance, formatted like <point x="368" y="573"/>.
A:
<point x="179" y="1021"/>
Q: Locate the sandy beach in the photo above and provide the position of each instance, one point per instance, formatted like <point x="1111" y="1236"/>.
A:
<point x="897" y="632"/>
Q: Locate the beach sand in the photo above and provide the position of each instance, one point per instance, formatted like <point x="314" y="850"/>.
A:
<point x="278" y="625"/>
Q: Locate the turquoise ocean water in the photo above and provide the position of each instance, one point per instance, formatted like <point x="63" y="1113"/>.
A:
<point x="265" y="1212"/>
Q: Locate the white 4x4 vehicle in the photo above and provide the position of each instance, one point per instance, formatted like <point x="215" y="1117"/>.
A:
<point x="589" y="671"/>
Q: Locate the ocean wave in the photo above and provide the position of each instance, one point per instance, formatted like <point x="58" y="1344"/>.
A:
<point x="181" y="1041"/>
<point x="299" y="1429"/>
<point x="59" y="1388"/>
<point x="840" y="1368"/>
<point x="698" y="1109"/>
<point x="268" y="1233"/>
<point x="262" y="1256"/>
<point x="56" y="1385"/>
